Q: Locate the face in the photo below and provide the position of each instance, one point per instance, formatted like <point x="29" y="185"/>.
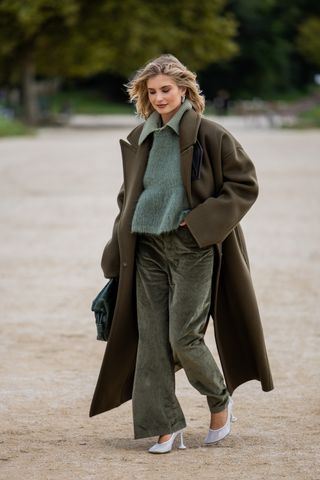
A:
<point x="164" y="95"/>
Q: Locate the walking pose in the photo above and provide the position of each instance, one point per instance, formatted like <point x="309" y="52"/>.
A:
<point x="179" y="254"/>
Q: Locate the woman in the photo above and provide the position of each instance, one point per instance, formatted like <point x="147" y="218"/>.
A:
<point x="179" y="253"/>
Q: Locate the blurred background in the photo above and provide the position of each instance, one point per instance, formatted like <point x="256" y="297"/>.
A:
<point x="63" y="58"/>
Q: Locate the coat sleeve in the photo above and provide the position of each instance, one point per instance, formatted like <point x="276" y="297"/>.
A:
<point x="110" y="261"/>
<point x="212" y="221"/>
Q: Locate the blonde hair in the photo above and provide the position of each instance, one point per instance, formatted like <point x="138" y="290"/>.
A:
<point x="164" y="65"/>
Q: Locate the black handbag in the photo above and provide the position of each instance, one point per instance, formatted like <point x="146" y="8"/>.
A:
<point x="103" y="308"/>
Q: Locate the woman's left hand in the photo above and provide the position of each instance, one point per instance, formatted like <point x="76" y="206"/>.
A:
<point x="183" y="224"/>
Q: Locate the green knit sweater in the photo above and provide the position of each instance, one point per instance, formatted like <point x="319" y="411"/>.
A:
<point x="162" y="204"/>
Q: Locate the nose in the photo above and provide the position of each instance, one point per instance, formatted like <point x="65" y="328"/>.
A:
<point x="159" y="97"/>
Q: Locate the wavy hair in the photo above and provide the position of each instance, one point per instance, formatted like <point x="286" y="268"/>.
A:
<point x="164" y="65"/>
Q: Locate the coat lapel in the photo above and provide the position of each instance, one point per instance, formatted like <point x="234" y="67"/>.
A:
<point x="189" y="127"/>
<point x="135" y="158"/>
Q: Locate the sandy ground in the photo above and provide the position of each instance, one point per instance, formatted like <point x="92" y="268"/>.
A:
<point x="56" y="212"/>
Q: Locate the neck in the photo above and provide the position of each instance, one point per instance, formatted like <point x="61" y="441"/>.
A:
<point x="167" y="116"/>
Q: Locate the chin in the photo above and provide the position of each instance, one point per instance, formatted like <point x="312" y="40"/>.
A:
<point x="166" y="110"/>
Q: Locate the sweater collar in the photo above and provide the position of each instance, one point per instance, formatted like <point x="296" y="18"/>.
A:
<point x="153" y="122"/>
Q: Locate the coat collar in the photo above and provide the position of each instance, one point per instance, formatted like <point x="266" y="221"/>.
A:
<point x="154" y="122"/>
<point x="135" y="156"/>
<point x="189" y="126"/>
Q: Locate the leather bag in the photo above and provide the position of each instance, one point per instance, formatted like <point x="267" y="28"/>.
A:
<point x="103" y="308"/>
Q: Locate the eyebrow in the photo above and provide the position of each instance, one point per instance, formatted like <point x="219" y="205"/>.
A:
<point x="163" y="86"/>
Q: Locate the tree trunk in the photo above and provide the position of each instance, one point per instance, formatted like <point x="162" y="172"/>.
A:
<point x="30" y="110"/>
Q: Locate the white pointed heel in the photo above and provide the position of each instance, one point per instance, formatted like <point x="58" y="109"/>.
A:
<point x="218" y="434"/>
<point x="166" y="447"/>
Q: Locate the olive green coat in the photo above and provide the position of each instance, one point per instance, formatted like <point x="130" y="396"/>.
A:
<point x="225" y="191"/>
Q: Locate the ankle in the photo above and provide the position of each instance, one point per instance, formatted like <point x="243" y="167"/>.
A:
<point x="218" y="419"/>
<point x="164" y="438"/>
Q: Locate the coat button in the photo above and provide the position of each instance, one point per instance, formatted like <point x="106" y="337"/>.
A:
<point x="124" y="264"/>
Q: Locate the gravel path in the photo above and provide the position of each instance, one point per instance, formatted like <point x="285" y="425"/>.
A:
<point x="57" y="207"/>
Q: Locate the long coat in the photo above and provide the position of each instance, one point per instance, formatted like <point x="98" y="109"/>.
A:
<point x="219" y="197"/>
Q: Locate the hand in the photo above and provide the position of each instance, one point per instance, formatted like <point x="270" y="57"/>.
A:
<point x="183" y="224"/>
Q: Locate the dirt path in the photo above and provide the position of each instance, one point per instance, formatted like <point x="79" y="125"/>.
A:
<point x="56" y="212"/>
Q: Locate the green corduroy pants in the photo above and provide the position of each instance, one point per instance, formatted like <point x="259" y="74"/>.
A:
<point x="173" y="288"/>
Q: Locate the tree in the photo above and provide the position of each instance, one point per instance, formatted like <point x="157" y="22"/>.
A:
<point x="22" y="27"/>
<point x="263" y="59"/>
<point x="77" y="38"/>
<point x="268" y="62"/>
<point x="308" y="40"/>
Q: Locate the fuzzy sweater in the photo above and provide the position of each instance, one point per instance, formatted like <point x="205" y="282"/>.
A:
<point x="162" y="204"/>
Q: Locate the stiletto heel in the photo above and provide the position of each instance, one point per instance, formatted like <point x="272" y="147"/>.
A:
<point x="218" y="434"/>
<point x="166" y="447"/>
<point x="182" y="445"/>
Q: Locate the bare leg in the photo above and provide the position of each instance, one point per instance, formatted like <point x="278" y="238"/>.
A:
<point x="219" y="419"/>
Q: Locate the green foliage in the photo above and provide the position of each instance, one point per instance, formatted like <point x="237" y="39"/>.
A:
<point x="308" y="40"/>
<point x="268" y="63"/>
<point x="248" y="47"/>
<point x="264" y="47"/>
<point x="11" y="128"/>
<point x="25" y="24"/>
<point x="80" y="38"/>
<point x="310" y="118"/>
<point x="88" y="102"/>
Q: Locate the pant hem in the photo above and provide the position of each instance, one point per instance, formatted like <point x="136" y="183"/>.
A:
<point x="160" y="431"/>
<point x="221" y="408"/>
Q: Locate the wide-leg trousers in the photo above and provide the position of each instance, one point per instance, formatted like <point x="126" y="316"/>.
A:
<point x="173" y="288"/>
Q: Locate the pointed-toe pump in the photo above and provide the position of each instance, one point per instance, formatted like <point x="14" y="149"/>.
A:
<point x="166" y="447"/>
<point x="220" y="433"/>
